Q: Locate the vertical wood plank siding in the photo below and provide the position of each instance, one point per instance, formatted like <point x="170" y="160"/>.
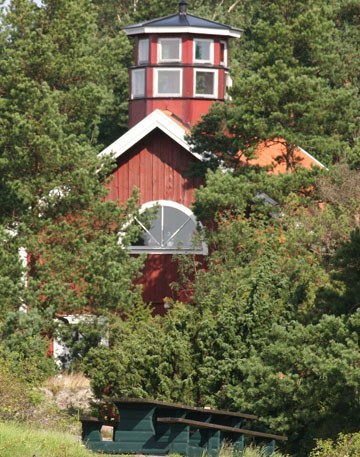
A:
<point x="157" y="166"/>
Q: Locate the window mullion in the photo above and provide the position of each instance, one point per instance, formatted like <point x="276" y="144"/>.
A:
<point x="162" y="226"/>
<point x="178" y="230"/>
<point x="148" y="232"/>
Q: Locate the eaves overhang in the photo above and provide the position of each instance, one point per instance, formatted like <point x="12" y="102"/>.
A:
<point x="156" y="119"/>
<point x="183" y="23"/>
<point x="179" y="30"/>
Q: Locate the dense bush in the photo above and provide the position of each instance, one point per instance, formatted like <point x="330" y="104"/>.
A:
<point x="24" y="345"/>
<point x="148" y="356"/>
<point x="17" y="398"/>
<point x="300" y="379"/>
<point x="266" y="331"/>
<point x="344" y="446"/>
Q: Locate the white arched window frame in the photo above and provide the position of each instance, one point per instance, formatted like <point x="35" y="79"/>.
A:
<point x="174" y="230"/>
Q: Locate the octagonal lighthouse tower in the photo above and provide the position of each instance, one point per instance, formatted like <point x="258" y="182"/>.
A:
<point x="181" y="65"/>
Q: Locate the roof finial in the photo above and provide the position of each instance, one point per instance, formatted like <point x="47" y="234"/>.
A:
<point x="182" y="6"/>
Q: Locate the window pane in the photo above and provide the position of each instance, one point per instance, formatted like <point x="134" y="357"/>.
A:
<point x="170" y="50"/>
<point x="152" y="236"/>
<point x="179" y="229"/>
<point x="175" y="222"/>
<point x="143" y="51"/>
<point x="202" y="50"/>
<point x="138" y="83"/>
<point x="204" y="83"/>
<point x="222" y="53"/>
<point x="228" y="85"/>
<point x="171" y="230"/>
<point x="168" y="82"/>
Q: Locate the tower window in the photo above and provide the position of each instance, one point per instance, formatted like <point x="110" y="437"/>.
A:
<point x="205" y="82"/>
<point x="168" y="82"/>
<point x="138" y="83"/>
<point x="173" y="229"/>
<point x="203" y="51"/>
<point x="143" y="51"/>
<point x="223" y="53"/>
<point x="169" y="50"/>
<point x="228" y="85"/>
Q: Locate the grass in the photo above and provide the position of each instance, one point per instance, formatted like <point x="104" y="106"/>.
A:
<point x="73" y="382"/>
<point x="250" y="451"/>
<point x="258" y="452"/>
<point x="18" y="440"/>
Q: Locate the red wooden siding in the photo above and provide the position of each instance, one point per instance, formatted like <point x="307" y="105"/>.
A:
<point x="189" y="110"/>
<point x="188" y="107"/>
<point x="157" y="167"/>
<point x="159" y="272"/>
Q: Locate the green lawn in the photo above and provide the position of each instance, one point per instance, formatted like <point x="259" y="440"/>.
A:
<point x="22" y="441"/>
<point x="18" y="440"/>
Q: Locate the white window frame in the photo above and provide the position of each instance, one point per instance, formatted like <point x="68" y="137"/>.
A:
<point x="202" y="250"/>
<point x="156" y="81"/>
<point x="215" y="93"/>
<point x="144" y="47"/>
<point x="228" y="85"/>
<point x="211" y="60"/>
<point x="133" y="72"/>
<point x="225" y="61"/>
<point x="159" y="50"/>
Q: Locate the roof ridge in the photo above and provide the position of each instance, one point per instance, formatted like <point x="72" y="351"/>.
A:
<point x="156" y="119"/>
<point x="139" y="24"/>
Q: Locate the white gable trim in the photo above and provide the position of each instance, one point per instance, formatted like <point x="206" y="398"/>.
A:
<point x="157" y="119"/>
<point x="319" y="164"/>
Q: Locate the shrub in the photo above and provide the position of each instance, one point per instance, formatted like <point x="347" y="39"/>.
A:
<point x="22" y="401"/>
<point x="345" y="446"/>
<point x="16" y="397"/>
<point x="24" y="345"/>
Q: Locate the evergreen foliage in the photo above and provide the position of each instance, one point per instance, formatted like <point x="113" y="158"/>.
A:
<point x="56" y="98"/>
<point x="273" y="323"/>
<point x="268" y="330"/>
<point x="344" y="446"/>
<point x="292" y="84"/>
<point x="11" y="274"/>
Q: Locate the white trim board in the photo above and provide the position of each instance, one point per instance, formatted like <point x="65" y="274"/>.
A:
<point x="321" y="165"/>
<point x="141" y="29"/>
<point x="156" y="119"/>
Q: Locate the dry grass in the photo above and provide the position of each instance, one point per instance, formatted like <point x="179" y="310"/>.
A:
<point x="249" y="451"/>
<point x="73" y="382"/>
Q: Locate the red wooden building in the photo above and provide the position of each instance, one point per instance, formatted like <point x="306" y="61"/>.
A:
<point x="181" y="68"/>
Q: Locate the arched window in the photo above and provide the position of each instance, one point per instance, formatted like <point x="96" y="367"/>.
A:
<point x="173" y="230"/>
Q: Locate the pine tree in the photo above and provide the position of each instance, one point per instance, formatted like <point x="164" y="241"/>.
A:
<point x="54" y="97"/>
<point x="290" y="85"/>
